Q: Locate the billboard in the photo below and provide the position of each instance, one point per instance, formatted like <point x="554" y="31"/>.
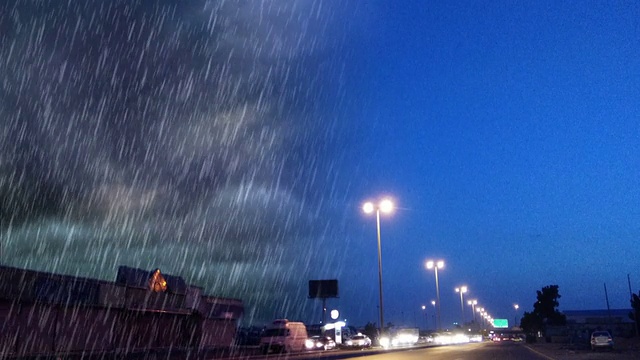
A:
<point x="323" y="289"/>
<point x="500" y="323"/>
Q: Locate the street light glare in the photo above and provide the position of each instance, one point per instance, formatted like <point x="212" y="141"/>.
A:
<point x="386" y="206"/>
<point x="368" y="207"/>
<point x="431" y="264"/>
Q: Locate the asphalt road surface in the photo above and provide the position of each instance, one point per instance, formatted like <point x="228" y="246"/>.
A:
<point x="482" y="351"/>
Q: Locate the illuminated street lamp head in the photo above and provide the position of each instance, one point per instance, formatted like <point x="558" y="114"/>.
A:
<point x="516" y="306"/>
<point x="462" y="289"/>
<point x="433" y="302"/>
<point x="386" y="206"/>
<point x="423" y="307"/>
<point x="368" y="207"/>
<point x="431" y="264"/>
<point x="472" y="302"/>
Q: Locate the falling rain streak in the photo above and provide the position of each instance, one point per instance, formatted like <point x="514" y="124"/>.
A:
<point x="187" y="136"/>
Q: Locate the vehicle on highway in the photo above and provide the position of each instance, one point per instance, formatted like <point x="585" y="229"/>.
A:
<point x="358" y="341"/>
<point x="426" y="339"/>
<point x="450" y="338"/>
<point x="320" y="343"/>
<point x="601" y="340"/>
<point x="400" y="337"/>
<point x="284" y="336"/>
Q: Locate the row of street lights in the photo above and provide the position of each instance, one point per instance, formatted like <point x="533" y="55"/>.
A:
<point x="387" y="206"/>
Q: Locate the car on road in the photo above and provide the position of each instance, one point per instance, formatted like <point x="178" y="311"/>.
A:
<point x="320" y="343"/>
<point x="358" y="341"/>
<point x="601" y="340"/>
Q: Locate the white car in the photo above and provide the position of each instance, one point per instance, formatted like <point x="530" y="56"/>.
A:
<point x="320" y="343"/>
<point x="601" y="340"/>
<point x="359" y="341"/>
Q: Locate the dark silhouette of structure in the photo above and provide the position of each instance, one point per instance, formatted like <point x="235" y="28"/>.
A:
<point x="43" y="314"/>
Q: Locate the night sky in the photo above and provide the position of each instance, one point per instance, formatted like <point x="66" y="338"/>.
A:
<point x="234" y="142"/>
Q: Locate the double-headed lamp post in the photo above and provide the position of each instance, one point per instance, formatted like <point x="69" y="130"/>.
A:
<point x="435" y="326"/>
<point x="426" y="317"/>
<point x="385" y="206"/>
<point x="482" y="315"/>
<point x="462" y="290"/>
<point x="435" y="265"/>
<point x="473" y="304"/>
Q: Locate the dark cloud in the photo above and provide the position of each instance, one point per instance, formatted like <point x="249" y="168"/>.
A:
<point x="181" y="135"/>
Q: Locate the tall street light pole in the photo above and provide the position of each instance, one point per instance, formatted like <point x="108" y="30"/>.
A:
<point x="515" y="317"/>
<point x="435" y="265"/>
<point x="435" y="325"/>
<point x="426" y="317"/>
<point x="473" y="304"/>
<point x="462" y="290"/>
<point x="386" y="206"/>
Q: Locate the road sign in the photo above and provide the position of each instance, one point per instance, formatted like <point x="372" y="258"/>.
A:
<point x="500" y="323"/>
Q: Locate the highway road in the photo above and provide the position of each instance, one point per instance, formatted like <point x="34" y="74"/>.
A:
<point x="474" y="351"/>
<point x="483" y="351"/>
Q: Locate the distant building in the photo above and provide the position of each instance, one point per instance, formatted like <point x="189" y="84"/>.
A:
<point x="598" y="317"/>
<point x="45" y="313"/>
<point x="581" y="323"/>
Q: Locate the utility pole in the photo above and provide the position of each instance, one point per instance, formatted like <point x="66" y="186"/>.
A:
<point x="635" y="312"/>
<point x="606" y="295"/>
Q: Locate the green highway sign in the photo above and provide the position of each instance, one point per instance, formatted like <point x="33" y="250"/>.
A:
<point x="500" y="323"/>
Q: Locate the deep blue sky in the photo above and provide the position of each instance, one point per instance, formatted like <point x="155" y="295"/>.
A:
<point x="509" y="135"/>
<point x="233" y="143"/>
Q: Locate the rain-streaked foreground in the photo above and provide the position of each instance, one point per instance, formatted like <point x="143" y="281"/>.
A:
<point x="207" y="145"/>
<point x="186" y="136"/>
<point x="190" y="137"/>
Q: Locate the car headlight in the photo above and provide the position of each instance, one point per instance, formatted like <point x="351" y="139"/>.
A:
<point x="384" y="342"/>
<point x="309" y="344"/>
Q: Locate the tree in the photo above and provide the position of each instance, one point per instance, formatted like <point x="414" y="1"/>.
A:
<point x="547" y="304"/>
<point x="531" y="323"/>
<point x="544" y="312"/>
<point x="371" y="330"/>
